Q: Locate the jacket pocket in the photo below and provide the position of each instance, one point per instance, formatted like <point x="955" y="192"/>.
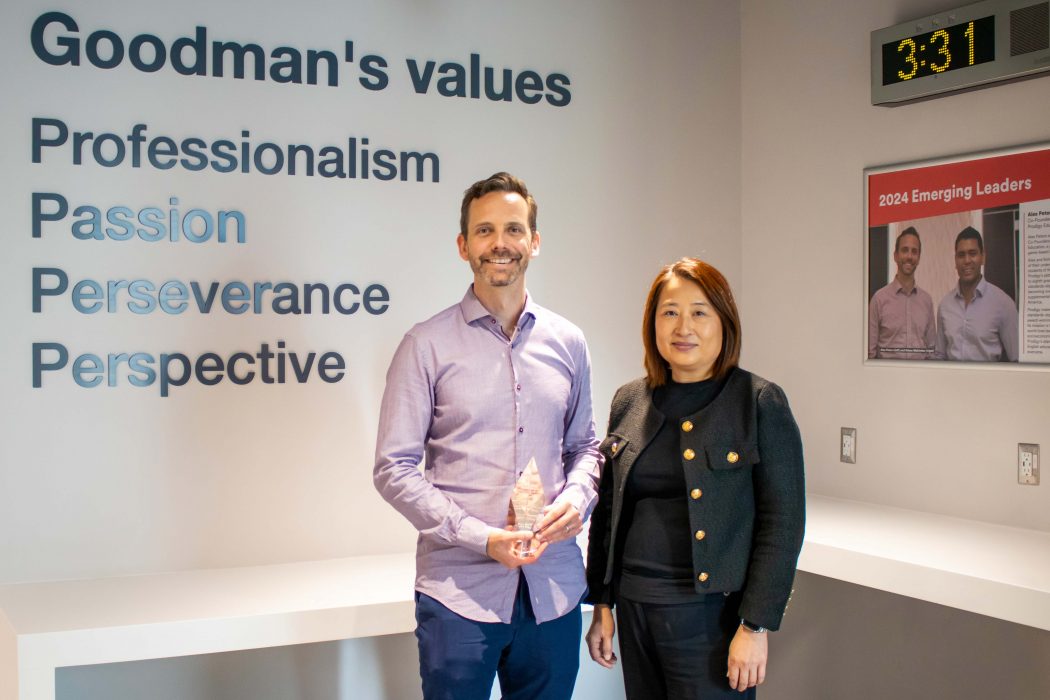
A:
<point x="730" y="455"/>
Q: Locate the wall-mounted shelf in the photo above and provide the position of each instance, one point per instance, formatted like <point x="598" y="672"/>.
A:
<point x="989" y="569"/>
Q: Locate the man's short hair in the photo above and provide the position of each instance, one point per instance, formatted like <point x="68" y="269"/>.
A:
<point x="910" y="231"/>
<point x="498" y="182"/>
<point x="970" y="233"/>
<point x="716" y="289"/>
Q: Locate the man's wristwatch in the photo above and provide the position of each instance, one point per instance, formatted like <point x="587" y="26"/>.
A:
<point x="752" y="627"/>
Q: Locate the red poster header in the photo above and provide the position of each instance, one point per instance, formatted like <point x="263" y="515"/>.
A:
<point x="935" y="190"/>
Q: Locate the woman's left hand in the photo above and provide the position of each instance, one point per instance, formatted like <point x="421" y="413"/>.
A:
<point x="747" y="659"/>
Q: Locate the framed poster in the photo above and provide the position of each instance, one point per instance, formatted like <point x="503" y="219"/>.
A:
<point x="958" y="259"/>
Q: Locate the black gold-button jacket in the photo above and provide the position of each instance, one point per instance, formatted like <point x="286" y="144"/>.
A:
<point x="742" y="459"/>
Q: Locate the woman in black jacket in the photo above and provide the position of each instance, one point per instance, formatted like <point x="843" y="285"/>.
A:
<point x="701" y="509"/>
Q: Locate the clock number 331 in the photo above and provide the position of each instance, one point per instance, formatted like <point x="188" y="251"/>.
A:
<point x="938" y="40"/>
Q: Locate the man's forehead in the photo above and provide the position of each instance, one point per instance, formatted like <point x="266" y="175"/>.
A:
<point x="509" y="205"/>
<point x="493" y="198"/>
<point x="967" y="244"/>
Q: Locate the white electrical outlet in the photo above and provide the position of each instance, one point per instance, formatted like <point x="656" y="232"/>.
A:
<point x="1027" y="464"/>
<point x="848" y="446"/>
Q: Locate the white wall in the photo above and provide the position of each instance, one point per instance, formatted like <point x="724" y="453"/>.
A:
<point x="662" y="153"/>
<point x="940" y="440"/>
<point x="932" y="439"/>
<point x="641" y="167"/>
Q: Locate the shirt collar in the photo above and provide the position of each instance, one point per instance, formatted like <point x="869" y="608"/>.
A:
<point x="473" y="310"/>
<point x="981" y="289"/>
<point x="898" y="288"/>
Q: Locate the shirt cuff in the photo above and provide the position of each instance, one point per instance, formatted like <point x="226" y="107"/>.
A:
<point x="474" y="534"/>
<point x="575" y="496"/>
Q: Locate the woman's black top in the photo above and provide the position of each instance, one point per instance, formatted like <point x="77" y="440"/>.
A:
<point x="656" y="546"/>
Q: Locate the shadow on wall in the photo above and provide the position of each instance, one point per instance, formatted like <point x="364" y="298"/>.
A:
<point x="845" y="642"/>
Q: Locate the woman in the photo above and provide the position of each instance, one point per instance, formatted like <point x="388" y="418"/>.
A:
<point x="701" y="510"/>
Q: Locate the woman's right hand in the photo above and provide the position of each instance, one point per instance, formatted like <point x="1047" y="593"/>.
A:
<point x="600" y="636"/>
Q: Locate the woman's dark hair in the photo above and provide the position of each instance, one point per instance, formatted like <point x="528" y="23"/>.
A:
<point x="717" y="291"/>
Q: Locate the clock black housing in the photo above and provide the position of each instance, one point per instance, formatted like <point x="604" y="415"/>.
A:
<point x="990" y="41"/>
<point x="956" y="47"/>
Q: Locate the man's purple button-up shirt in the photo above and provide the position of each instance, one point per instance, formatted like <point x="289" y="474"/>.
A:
<point x="474" y="407"/>
<point x="984" y="331"/>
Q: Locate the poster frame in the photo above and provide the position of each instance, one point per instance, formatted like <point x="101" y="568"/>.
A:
<point x="1041" y="149"/>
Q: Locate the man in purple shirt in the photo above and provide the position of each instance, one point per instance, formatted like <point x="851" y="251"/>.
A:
<point x="474" y="394"/>
<point x="900" y="315"/>
<point x="976" y="321"/>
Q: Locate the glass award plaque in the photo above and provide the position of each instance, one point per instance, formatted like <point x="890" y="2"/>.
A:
<point x="527" y="502"/>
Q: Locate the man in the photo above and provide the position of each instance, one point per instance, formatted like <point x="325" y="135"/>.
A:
<point x="976" y="321"/>
<point x="480" y="390"/>
<point x="900" y="315"/>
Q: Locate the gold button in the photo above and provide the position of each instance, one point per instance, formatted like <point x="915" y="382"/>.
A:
<point x="700" y="534"/>
<point x="689" y="454"/>
<point x="732" y="457"/>
<point x="615" y="446"/>
<point x="695" y="494"/>
<point x="703" y="577"/>
<point x="687" y="425"/>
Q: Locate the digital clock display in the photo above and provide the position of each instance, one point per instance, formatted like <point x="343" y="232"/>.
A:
<point x="952" y="48"/>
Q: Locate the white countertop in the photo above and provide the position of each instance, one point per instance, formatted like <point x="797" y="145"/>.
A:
<point x="993" y="570"/>
<point x="988" y="569"/>
<point x="72" y="623"/>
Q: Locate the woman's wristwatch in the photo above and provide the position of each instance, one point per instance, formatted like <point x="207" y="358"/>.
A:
<point x="752" y="627"/>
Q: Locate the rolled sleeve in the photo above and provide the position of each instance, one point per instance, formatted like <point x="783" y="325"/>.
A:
<point x="404" y="421"/>
<point x="580" y="455"/>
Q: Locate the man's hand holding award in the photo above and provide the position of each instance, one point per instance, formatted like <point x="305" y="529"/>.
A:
<point x="532" y="526"/>
<point x="526" y="503"/>
<point x="517" y="544"/>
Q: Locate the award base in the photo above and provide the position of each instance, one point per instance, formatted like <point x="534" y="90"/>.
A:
<point x="526" y="546"/>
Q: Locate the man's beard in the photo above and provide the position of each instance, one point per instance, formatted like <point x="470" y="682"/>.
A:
<point x="494" y="277"/>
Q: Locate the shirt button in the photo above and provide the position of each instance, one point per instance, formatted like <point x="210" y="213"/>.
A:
<point x="700" y="534"/>
<point x="695" y="494"/>
<point x="689" y="454"/>
<point x="732" y="458"/>
<point x="518" y="387"/>
<point x="687" y="426"/>
<point x="521" y="429"/>
<point x="702" y="578"/>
